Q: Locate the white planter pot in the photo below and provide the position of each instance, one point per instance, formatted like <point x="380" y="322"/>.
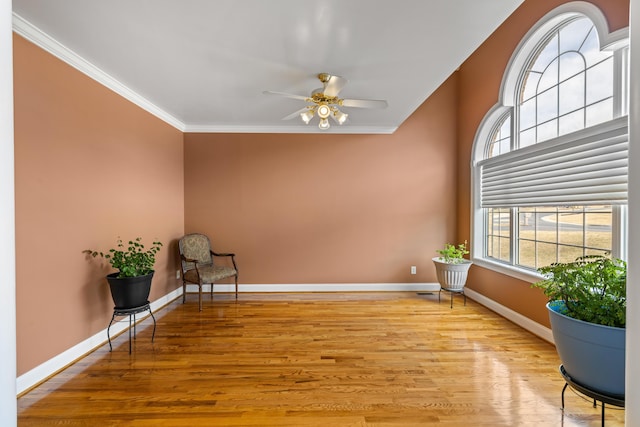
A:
<point x="452" y="277"/>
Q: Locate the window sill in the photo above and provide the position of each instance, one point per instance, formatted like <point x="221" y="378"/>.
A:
<point x="518" y="273"/>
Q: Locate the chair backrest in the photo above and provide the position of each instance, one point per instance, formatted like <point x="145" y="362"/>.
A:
<point x="195" y="246"/>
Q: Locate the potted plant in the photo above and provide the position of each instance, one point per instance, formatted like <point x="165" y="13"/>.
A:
<point x="451" y="268"/>
<point x="131" y="284"/>
<point x="587" y="310"/>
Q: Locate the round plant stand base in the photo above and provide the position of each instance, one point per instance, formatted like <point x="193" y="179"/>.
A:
<point x="615" y="400"/>
<point x="131" y="312"/>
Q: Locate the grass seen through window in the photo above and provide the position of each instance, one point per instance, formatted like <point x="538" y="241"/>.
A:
<point x="546" y="235"/>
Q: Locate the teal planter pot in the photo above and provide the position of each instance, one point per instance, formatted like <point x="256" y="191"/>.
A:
<point x="592" y="355"/>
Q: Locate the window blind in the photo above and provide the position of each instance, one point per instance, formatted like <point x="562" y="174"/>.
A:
<point x="584" y="168"/>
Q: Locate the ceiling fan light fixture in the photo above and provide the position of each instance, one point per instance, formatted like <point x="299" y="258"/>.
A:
<point x="324" y="124"/>
<point x="340" y="116"/>
<point x="324" y="102"/>
<point x="307" y="116"/>
<point x="324" y="111"/>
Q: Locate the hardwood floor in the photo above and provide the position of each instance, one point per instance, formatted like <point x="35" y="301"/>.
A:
<point x="316" y="359"/>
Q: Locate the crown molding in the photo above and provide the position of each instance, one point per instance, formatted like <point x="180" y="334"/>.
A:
<point x="289" y="129"/>
<point x="36" y="36"/>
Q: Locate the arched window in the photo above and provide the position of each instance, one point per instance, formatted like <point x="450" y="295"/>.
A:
<point x="550" y="159"/>
<point x="567" y="86"/>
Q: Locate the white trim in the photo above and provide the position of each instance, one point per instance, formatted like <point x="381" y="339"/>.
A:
<point x="346" y="129"/>
<point x="485" y="130"/>
<point x="8" y="407"/>
<point x="55" y="364"/>
<point x="32" y="33"/>
<point x="36" y="36"/>
<point x="321" y="287"/>
<point x="513" y="316"/>
<point x="614" y="41"/>
<point x="508" y="270"/>
<point x="632" y="392"/>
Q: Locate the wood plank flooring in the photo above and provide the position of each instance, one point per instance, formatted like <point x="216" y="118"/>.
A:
<point x="316" y="359"/>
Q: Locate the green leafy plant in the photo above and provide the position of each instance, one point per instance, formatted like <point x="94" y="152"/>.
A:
<point x="132" y="261"/>
<point x="453" y="254"/>
<point x="591" y="288"/>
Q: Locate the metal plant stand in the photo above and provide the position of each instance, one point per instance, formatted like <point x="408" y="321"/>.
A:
<point x="451" y="292"/>
<point x="131" y="312"/>
<point x="615" y="400"/>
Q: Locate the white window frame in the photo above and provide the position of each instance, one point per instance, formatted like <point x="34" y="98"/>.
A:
<point x="617" y="42"/>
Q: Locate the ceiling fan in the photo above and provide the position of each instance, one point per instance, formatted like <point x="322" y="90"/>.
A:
<point x="324" y="102"/>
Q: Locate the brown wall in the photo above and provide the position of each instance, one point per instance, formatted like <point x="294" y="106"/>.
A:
<point x="295" y="208"/>
<point x="329" y="208"/>
<point x="479" y="84"/>
<point x="90" y="166"/>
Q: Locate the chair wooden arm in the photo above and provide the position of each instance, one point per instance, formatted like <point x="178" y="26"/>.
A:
<point x="185" y="259"/>
<point x="195" y="264"/>
<point x="233" y="260"/>
<point x="221" y="254"/>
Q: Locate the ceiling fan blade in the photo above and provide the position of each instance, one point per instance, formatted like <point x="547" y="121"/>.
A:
<point x="334" y="85"/>
<point x="365" y="103"/>
<point x="296" y="114"/>
<point x="287" y="95"/>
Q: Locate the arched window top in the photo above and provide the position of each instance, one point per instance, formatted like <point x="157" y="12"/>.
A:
<point x="540" y="33"/>
<point x="566" y="86"/>
<point x="564" y="51"/>
<point x="572" y="48"/>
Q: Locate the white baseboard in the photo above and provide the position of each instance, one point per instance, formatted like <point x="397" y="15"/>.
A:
<point x="321" y="287"/>
<point x="45" y="370"/>
<point x="517" y="318"/>
<point x="53" y="365"/>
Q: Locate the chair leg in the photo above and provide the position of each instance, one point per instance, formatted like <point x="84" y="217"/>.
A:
<point x="200" y="296"/>
<point x="184" y="291"/>
<point x="236" y="286"/>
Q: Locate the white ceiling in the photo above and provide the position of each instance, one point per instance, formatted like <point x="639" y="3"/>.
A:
<point x="202" y="65"/>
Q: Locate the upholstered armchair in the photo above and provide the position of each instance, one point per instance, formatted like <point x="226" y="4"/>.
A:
<point x="198" y="267"/>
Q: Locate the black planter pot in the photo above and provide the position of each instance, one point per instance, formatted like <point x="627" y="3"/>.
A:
<point x="129" y="292"/>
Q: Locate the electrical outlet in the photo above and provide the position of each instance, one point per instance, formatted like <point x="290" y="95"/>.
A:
<point x="177" y="274"/>
<point x="413" y="269"/>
